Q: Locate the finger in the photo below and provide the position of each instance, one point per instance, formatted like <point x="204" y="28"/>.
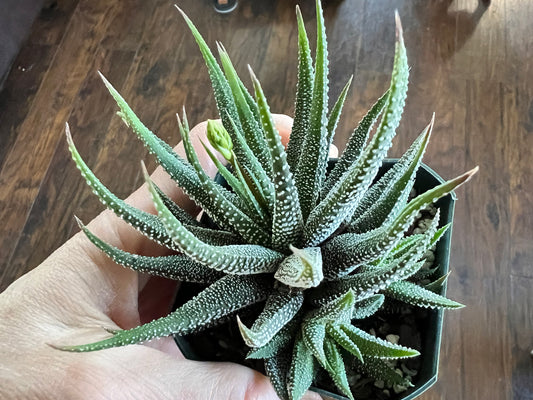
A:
<point x="145" y="373"/>
<point x="312" y="396"/>
<point x="156" y="298"/>
<point x="284" y="126"/>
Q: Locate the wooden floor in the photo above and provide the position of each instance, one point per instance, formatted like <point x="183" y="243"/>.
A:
<point x="471" y="64"/>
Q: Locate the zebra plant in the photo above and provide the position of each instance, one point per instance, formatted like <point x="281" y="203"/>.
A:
<point x="320" y="250"/>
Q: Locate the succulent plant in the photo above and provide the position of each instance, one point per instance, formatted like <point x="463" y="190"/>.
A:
<point x="323" y="249"/>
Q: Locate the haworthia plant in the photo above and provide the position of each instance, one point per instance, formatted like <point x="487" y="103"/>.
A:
<point x="322" y="251"/>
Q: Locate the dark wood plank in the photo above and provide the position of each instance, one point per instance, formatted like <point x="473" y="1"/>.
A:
<point x="42" y="128"/>
<point x="51" y="25"/>
<point x="16" y="18"/>
<point x="63" y="193"/>
<point x="18" y="93"/>
<point x="471" y="65"/>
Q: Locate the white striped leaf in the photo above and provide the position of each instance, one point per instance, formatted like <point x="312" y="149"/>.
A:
<point x="411" y="293"/>
<point x="287" y="222"/>
<point x="279" y="309"/>
<point x="231" y="259"/>
<point x="375" y="347"/>
<point x="302" y="370"/>
<point x="178" y="267"/>
<point x="302" y="269"/>
<point x="225" y="296"/>
<point x="312" y="162"/>
<point x="355" y="144"/>
<point x="350" y="188"/>
<point x="304" y="95"/>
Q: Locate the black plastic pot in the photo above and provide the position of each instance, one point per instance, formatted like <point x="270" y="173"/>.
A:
<point x="431" y="326"/>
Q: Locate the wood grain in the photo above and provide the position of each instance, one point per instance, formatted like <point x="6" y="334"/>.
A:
<point x="471" y="63"/>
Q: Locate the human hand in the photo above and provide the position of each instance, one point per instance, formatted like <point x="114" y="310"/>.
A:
<point x="78" y="291"/>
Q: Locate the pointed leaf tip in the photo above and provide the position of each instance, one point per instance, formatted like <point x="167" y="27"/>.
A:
<point x="104" y="79"/>
<point x="473" y="171"/>
<point x="145" y="173"/>
<point x="429" y="129"/>
<point x="245" y="333"/>
<point x="180" y="10"/>
<point x="68" y="134"/>
<point x="399" y="29"/>
<point x="221" y="48"/>
<point x="467" y="176"/>
<point x="79" y="222"/>
<point x="252" y="74"/>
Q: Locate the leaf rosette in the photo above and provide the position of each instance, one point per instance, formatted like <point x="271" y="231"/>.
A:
<point x="321" y="250"/>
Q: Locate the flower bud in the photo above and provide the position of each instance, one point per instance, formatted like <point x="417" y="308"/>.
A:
<point x="219" y="138"/>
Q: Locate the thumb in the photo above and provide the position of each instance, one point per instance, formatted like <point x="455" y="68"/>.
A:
<point x="162" y="376"/>
<point x="151" y="374"/>
<point x="226" y="381"/>
<point x="222" y="380"/>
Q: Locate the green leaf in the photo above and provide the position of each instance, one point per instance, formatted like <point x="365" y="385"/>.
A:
<point x="228" y="111"/>
<point x="231" y="259"/>
<point x="252" y="129"/>
<point x="251" y="102"/>
<point x="279" y="342"/>
<point x="302" y="269"/>
<point x="341" y="201"/>
<point x="347" y="251"/>
<point x="336" y="310"/>
<point x="335" y="114"/>
<point x="336" y="369"/>
<point x="287" y="220"/>
<point x="302" y="370"/>
<point x="227" y="213"/>
<point x="144" y="222"/>
<point x="380" y="370"/>
<point x="279" y="309"/>
<point x="212" y="236"/>
<point x="367" y="307"/>
<point x="237" y="186"/>
<point x="439" y="284"/>
<point x="262" y="188"/>
<point x="372" y="279"/>
<point x="178" y="169"/>
<point x="355" y="144"/>
<point x="366" y="284"/>
<point x="313" y="335"/>
<point x="411" y="293"/>
<point x="424" y="273"/>
<point x="387" y="197"/>
<point x="176" y="267"/>
<point x="277" y="367"/>
<point x="375" y="347"/>
<point x="408" y="214"/>
<point x="227" y="295"/>
<point x="179" y="213"/>
<point x="335" y="332"/>
<point x="304" y="95"/>
<point x="312" y="164"/>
